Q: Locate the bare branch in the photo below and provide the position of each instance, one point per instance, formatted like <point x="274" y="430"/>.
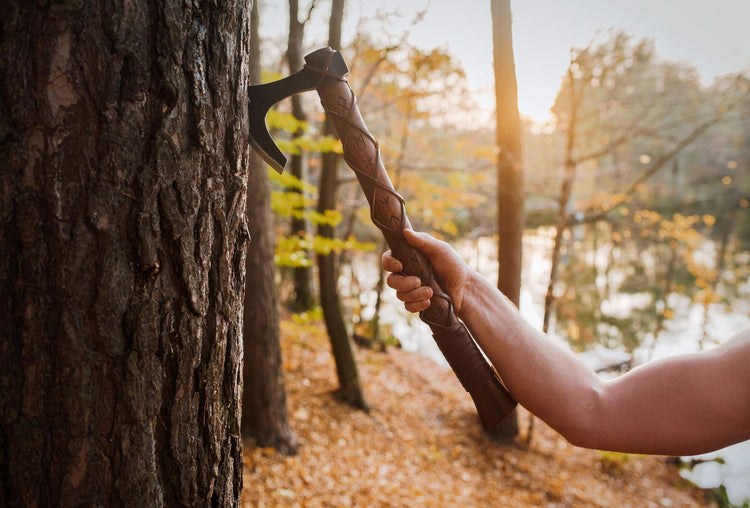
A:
<point x="374" y="67"/>
<point x="648" y="173"/>
<point x="309" y="12"/>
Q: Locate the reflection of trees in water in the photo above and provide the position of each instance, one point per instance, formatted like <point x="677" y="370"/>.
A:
<point x="623" y="283"/>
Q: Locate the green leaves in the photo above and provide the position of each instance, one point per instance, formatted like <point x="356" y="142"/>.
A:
<point x="296" y="198"/>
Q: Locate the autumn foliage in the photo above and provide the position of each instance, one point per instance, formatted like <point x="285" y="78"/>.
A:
<point x="422" y="445"/>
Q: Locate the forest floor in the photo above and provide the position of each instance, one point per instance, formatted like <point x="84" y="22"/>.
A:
<point x="422" y="445"/>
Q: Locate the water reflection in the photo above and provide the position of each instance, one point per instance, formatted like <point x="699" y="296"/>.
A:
<point x="683" y="333"/>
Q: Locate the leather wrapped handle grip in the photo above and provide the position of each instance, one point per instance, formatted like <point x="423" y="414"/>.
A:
<point x="388" y="213"/>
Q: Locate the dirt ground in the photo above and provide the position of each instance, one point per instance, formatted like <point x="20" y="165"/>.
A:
<point x="422" y="445"/>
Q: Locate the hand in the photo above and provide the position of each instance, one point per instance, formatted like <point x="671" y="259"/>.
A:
<point x="451" y="271"/>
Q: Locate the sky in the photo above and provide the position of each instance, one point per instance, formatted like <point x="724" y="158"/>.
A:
<point x="714" y="36"/>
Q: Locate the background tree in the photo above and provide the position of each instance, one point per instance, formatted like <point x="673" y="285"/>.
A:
<point x="510" y="202"/>
<point x="123" y="138"/>
<point x="304" y="295"/>
<point x="264" y="411"/>
<point x="350" y="386"/>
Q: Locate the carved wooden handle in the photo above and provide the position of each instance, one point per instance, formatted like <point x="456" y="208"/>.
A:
<point x="362" y="154"/>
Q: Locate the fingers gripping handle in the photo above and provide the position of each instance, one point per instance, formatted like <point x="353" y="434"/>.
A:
<point x="362" y="154"/>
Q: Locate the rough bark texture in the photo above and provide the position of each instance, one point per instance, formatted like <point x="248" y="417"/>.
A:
<point x="264" y="413"/>
<point x="350" y="386"/>
<point x="122" y="249"/>
<point x="510" y="201"/>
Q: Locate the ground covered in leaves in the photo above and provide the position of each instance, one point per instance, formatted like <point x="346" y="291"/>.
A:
<point x="422" y="445"/>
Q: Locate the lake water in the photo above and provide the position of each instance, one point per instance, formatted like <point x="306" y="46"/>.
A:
<point x="682" y="335"/>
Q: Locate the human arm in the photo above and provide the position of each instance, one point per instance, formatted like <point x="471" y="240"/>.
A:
<point x="681" y="405"/>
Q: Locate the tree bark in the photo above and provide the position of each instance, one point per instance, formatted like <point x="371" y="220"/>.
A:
<point x="510" y="199"/>
<point x="122" y="250"/>
<point x="350" y="386"/>
<point x="264" y="410"/>
<point x="304" y="296"/>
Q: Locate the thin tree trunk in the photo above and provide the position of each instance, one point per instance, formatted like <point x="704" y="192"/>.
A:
<point x="122" y="248"/>
<point x="510" y="200"/>
<point x="304" y="296"/>
<point x="727" y="225"/>
<point x="666" y="292"/>
<point x="380" y="285"/>
<point x="264" y="411"/>
<point x="566" y="189"/>
<point x="350" y="387"/>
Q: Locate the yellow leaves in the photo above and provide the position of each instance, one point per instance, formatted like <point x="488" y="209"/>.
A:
<point x="646" y="217"/>
<point x="296" y="250"/>
<point x="486" y="152"/>
<point x="439" y="205"/>
<point x="290" y="181"/>
<point x="267" y="76"/>
<point x="449" y="227"/>
<point x="297" y="201"/>
<point x="297" y="145"/>
<point x="304" y="329"/>
<point x="605" y="201"/>
<point x="677" y="230"/>
<point x="290" y="204"/>
<point x="707" y="297"/>
<point x="276" y="119"/>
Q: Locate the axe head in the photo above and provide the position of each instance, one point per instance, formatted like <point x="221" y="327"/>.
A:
<point x="320" y="65"/>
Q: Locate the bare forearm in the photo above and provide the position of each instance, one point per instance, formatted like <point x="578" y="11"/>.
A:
<point x="681" y="405"/>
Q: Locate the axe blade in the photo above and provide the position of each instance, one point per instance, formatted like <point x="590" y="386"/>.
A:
<point x="262" y="141"/>
<point x="262" y="97"/>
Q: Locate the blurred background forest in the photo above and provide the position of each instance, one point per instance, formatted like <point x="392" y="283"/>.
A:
<point x="635" y="183"/>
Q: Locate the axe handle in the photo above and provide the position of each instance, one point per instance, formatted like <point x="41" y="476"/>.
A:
<point x="362" y="154"/>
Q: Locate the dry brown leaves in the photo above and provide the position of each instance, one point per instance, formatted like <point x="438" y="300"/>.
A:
<point x="422" y="445"/>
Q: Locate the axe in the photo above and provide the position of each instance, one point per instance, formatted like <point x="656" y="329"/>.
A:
<point x="325" y="71"/>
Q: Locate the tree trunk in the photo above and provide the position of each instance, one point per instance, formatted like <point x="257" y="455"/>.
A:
<point x="122" y="249"/>
<point x="562" y="218"/>
<point x="304" y="297"/>
<point x="510" y="199"/>
<point x="350" y="386"/>
<point x="264" y="412"/>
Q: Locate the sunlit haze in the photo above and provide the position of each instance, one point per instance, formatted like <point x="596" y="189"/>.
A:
<point x="714" y="37"/>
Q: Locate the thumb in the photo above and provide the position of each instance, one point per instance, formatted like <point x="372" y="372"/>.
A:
<point x="423" y="242"/>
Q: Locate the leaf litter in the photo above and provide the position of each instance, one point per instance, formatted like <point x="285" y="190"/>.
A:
<point x="422" y="445"/>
